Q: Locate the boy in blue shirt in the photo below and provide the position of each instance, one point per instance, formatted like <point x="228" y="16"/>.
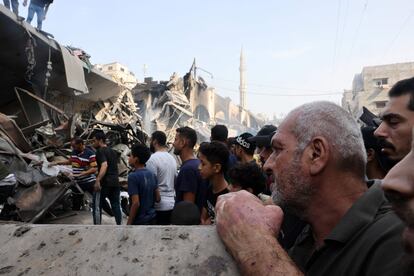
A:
<point x="142" y="188"/>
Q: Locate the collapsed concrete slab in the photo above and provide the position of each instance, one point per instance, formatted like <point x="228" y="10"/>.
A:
<point x="113" y="250"/>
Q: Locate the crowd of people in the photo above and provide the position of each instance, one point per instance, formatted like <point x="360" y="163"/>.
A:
<point x="157" y="190"/>
<point x="304" y="198"/>
<point x="323" y="170"/>
<point x="36" y="7"/>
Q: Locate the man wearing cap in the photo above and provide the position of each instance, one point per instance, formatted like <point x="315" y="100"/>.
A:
<point x="264" y="150"/>
<point x="263" y="142"/>
<point x="377" y="163"/>
<point x="244" y="150"/>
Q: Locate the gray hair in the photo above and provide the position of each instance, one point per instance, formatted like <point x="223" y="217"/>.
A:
<point x="337" y="126"/>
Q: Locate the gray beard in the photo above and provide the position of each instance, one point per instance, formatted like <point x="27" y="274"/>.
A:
<point x="298" y="204"/>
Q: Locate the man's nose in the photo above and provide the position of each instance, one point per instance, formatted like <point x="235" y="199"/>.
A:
<point x="269" y="163"/>
<point x="381" y="131"/>
<point x="398" y="180"/>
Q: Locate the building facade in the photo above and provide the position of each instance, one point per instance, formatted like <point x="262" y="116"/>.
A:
<point x="119" y="73"/>
<point x="370" y="87"/>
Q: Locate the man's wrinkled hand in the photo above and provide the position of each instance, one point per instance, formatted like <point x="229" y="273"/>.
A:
<point x="242" y="220"/>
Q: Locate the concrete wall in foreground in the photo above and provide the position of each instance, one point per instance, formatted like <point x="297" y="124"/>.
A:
<point x="112" y="250"/>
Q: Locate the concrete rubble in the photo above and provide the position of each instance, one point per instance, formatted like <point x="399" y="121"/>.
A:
<point x="50" y="94"/>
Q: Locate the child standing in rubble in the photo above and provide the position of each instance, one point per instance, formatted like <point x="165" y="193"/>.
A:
<point x="142" y="188"/>
<point x="107" y="183"/>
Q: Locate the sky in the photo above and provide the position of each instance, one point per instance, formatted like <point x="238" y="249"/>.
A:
<point x="296" y="51"/>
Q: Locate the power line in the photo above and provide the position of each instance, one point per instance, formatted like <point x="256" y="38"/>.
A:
<point x="345" y="21"/>
<point x="341" y="37"/>
<point x="397" y="35"/>
<point x="338" y="17"/>
<point x="356" y="36"/>
<point x="280" y="95"/>
<point x="277" y="87"/>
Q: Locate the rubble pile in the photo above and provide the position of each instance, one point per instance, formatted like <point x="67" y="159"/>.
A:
<point x="36" y="191"/>
<point x="189" y="101"/>
<point x="50" y="94"/>
<point x="167" y="105"/>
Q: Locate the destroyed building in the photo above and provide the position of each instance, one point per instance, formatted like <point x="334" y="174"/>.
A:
<point x="189" y="101"/>
<point x="50" y="94"/>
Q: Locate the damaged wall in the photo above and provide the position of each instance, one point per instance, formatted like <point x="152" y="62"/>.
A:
<point x="189" y="101"/>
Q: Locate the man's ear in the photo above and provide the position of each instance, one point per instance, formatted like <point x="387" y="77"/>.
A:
<point x="184" y="142"/>
<point x="318" y="155"/>
<point x="217" y="168"/>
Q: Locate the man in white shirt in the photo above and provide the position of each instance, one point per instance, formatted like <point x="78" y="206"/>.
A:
<point x="164" y="166"/>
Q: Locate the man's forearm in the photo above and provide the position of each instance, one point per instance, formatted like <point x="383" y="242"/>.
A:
<point x="101" y="174"/>
<point x="90" y="171"/>
<point x="269" y="259"/>
<point x="63" y="162"/>
<point x="132" y="213"/>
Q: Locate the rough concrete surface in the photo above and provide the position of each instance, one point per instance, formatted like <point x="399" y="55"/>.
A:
<point x="112" y="250"/>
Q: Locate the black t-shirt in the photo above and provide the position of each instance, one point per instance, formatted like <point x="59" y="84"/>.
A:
<point x="212" y="200"/>
<point x="110" y="156"/>
<point x="41" y="3"/>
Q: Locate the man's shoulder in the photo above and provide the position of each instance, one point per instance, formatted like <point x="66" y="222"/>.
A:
<point x="189" y="169"/>
<point x="191" y="164"/>
<point x="385" y="223"/>
<point x="136" y="176"/>
<point x="161" y="156"/>
<point x="88" y="152"/>
<point x="109" y="152"/>
<point x="144" y="172"/>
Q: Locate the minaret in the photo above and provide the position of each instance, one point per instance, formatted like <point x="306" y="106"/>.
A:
<point x="242" y="87"/>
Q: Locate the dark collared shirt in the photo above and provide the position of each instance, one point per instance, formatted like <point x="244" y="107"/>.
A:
<point x="367" y="241"/>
